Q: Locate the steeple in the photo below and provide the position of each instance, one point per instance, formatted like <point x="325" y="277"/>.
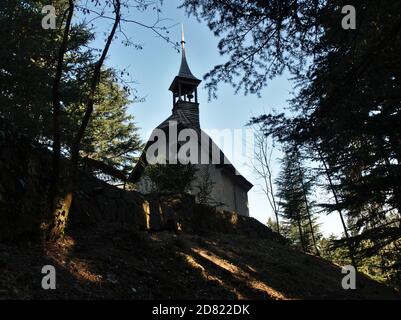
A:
<point x="184" y="72"/>
<point x="184" y="85"/>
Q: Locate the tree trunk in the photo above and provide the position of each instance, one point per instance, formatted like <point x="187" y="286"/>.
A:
<point x="307" y="206"/>
<point x="56" y="157"/>
<point x="62" y="211"/>
<point x="309" y="216"/>
<point x="350" y="247"/>
<point x="301" y="236"/>
<point x="277" y="222"/>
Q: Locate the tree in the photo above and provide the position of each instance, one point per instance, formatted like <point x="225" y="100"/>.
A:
<point x="74" y="91"/>
<point x="264" y="147"/>
<point x="354" y="127"/>
<point x="346" y="111"/>
<point x="261" y="38"/>
<point x="32" y="58"/>
<point x="175" y="178"/>
<point x="61" y="213"/>
<point x="63" y="203"/>
<point x="299" y="224"/>
<point x="57" y="103"/>
<point x="205" y="186"/>
<point x="338" y="255"/>
<point x="111" y="136"/>
<point x="295" y="131"/>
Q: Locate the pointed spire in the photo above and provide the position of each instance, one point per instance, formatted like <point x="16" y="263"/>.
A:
<point x="184" y="72"/>
<point x="184" y="83"/>
<point x="182" y="38"/>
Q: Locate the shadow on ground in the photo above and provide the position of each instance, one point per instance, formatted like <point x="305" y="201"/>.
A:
<point x="116" y="261"/>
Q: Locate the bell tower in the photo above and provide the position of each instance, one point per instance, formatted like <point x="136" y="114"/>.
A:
<point x="185" y="88"/>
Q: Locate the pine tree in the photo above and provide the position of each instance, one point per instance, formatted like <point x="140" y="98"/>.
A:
<point x="27" y="71"/>
<point x="299" y="222"/>
<point x="111" y="136"/>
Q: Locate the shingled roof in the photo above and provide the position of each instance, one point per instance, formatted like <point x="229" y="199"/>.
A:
<point x="183" y="122"/>
<point x="186" y="116"/>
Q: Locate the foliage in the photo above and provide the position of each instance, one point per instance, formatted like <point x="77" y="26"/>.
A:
<point x="261" y="38"/>
<point x="299" y="223"/>
<point x="346" y="109"/>
<point x="27" y="70"/>
<point x="205" y="187"/>
<point x="111" y="134"/>
<point x="27" y="66"/>
<point x="175" y="178"/>
<point x="337" y="255"/>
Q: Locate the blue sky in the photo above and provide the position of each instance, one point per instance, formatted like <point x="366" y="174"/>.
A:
<point x="154" y="67"/>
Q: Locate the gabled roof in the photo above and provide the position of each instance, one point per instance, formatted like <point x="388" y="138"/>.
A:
<point x="180" y="116"/>
<point x="185" y="123"/>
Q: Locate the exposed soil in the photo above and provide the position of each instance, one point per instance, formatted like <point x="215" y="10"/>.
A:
<point x="114" y="261"/>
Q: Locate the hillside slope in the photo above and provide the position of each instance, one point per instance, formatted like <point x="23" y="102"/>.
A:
<point x="114" y="261"/>
<point x="111" y="249"/>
